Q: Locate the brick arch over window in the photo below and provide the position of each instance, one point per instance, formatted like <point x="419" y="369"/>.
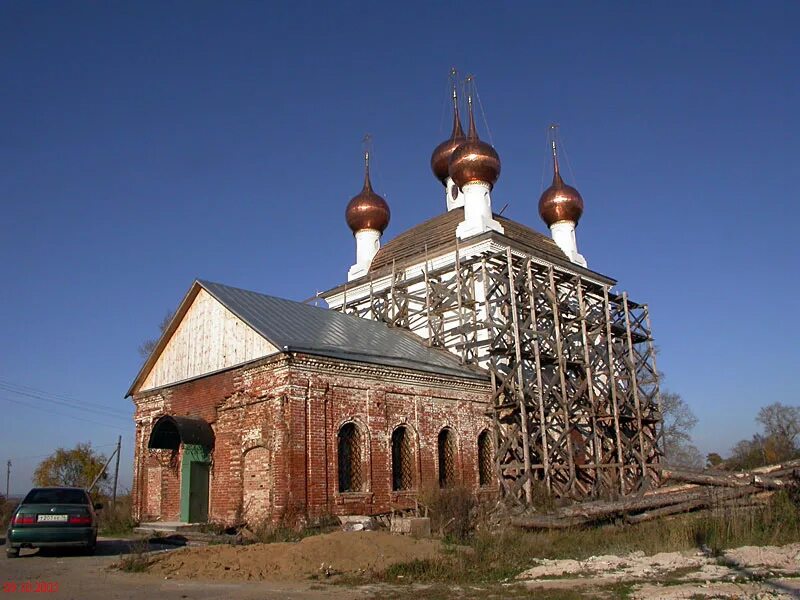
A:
<point x="485" y="458"/>
<point x="349" y="443"/>
<point x="446" y="450"/>
<point x="403" y="465"/>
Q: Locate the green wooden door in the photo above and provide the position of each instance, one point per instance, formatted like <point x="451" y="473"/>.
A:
<point x="195" y="470"/>
<point x="198" y="492"/>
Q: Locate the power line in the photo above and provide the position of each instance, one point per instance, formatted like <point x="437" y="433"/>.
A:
<point x="109" y="412"/>
<point x="114" y="425"/>
<point x="19" y="388"/>
<point x="21" y="458"/>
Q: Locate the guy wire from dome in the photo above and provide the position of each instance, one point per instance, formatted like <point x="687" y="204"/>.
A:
<point x="474" y="160"/>
<point x="559" y="202"/>
<point x="440" y="158"/>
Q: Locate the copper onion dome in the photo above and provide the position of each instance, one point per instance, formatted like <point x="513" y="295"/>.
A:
<point x="560" y="202"/>
<point x="367" y="210"/>
<point x="440" y="159"/>
<point x="474" y="160"/>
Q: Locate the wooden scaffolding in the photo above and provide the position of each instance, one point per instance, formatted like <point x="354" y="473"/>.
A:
<point x="572" y="367"/>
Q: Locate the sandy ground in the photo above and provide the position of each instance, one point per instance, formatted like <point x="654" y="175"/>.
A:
<point x="319" y="556"/>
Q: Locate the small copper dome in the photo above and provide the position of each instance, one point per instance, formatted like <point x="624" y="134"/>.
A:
<point x="440" y="159"/>
<point x="367" y="210"/>
<point x="474" y="160"/>
<point x="560" y="202"/>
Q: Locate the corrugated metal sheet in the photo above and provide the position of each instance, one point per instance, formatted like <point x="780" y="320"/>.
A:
<point x="297" y="327"/>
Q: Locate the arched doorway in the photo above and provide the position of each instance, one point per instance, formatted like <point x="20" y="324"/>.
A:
<point x="195" y="438"/>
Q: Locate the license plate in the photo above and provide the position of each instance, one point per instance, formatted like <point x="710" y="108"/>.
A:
<point x="52" y="518"/>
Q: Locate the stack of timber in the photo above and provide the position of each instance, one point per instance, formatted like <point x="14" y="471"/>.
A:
<point x="695" y="490"/>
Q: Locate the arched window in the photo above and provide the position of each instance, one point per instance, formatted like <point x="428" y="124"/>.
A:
<point x="402" y="460"/>
<point x="447" y="458"/>
<point x="350" y="479"/>
<point x="485" y="458"/>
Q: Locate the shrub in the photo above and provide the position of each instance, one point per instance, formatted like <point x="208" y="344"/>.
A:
<point x="6" y="509"/>
<point x="451" y="511"/>
<point x="116" y="519"/>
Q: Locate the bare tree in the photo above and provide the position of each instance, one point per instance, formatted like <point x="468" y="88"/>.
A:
<point x="679" y="420"/>
<point x="146" y="348"/>
<point x="778" y="442"/>
<point x="781" y="422"/>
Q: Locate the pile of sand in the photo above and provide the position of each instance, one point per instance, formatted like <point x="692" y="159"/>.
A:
<point x="321" y="555"/>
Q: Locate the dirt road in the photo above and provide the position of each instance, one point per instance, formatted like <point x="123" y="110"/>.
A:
<point x="76" y="577"/>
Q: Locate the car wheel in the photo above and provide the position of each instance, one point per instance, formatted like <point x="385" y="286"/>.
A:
<point x="12" y="552"/>
<point x="90" y="549"/>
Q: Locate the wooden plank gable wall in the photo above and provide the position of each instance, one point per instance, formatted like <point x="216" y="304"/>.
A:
<point x="208" y="338"/>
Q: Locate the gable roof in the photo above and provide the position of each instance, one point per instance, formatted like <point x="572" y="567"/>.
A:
<point x="438" y="235"/>
<point x="296" y="327"/>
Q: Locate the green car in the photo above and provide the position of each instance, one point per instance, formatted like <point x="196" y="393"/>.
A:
<point x="53" y="516"/>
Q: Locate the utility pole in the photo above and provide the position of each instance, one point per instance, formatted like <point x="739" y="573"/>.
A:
<point x="8" y="477"/>
<point x="100" y="474"/>
<point x="116" y="473"/>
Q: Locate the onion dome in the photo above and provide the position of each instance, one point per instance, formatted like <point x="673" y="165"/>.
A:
<point x="560" y="202"/>
<point x="440" y="159"/>
<point x="367" y="210"/>
<point x="474" y="160"/>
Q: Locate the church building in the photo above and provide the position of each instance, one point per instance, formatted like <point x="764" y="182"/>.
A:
<point x="470" y="350"/>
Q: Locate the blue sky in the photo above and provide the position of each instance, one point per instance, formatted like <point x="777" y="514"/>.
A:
<point x="147" y="144"/>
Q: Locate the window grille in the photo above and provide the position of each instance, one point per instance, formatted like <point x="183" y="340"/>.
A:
<point x="402" y="460"/>
<point x="447" y="458"/>
<point x="485" y="458"/>
<point x="350" y="479"/>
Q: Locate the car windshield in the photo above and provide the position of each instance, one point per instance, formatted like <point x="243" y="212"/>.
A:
<point x="56" y="496"/>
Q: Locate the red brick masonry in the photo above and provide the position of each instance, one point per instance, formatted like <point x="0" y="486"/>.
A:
<point x="276" y="422"/>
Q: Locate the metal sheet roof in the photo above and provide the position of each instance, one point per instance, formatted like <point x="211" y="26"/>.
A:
<point x="296" y="327"/>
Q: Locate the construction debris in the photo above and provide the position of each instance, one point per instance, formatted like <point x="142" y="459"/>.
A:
<point x="701" y="489"/>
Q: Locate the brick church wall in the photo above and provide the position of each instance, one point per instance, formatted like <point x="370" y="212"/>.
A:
<point x="276" y="421"/>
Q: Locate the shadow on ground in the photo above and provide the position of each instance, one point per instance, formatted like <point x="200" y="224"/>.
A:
<point x="104" y="548"/>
